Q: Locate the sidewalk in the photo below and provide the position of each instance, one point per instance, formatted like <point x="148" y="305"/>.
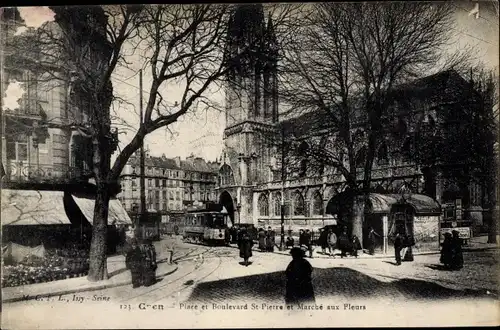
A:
<point x="119" y="276"/>
<point x="475" y="244"/>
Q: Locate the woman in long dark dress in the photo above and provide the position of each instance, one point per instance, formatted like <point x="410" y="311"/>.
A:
<point x="299" y="288"/>
<point x="245" y="245"/>
<point x="150" y="264"/>
<point x="446" y="251"/>
<point x="323" y="240"/>
<point x="262" y="240"/>
<point x="457" y="257"/>
<point x="134" y="262"/>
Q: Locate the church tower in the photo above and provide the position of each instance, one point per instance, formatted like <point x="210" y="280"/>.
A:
<point x="251" y="106"/>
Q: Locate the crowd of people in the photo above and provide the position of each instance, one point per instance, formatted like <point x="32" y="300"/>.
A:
<point x="141" y="260"/>
<point x="451" y="251"/>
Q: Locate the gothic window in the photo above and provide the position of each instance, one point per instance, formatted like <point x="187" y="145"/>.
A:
<point x="277" y="203"/>
<point x="304" y="154"/>
<point x="382" y="156"/>
<point x="298" y="204"/>
<point x="317" y="204"/>
<point x="226" y="177"/>
<point x="263" y="205"/>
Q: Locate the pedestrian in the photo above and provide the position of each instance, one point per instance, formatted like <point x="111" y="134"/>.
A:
<point x="149" y="268"/>
<point x="299" y="288"/>
<point x="355" y="245"/>
<point x="332" y="242"/>
<point x="270" y="239"/>
<point x="344" y="243"/>
<point x="323" y="239"/>
<point x="301" y="238"/>
<point x="446" y="251"/>
<point x="290" y="242"/>
<point x="134" y="262"/>
<point x="308" y="242"/>
<point x="245" y="244"/>
<point x="398" y="245"/>
<point x="372" y="235"/>
<point x="262" y="240"/>
<point x="457" y="258"/>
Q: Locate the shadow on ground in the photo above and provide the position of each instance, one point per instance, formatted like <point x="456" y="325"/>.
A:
<point x="332" y="282"/>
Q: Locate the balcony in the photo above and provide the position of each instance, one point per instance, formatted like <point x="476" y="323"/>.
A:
<point x="18" y="172"/>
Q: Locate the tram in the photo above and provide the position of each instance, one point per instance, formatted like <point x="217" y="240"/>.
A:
<point x="206" y="226"/>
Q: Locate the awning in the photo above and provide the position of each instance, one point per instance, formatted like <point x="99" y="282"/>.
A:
<point x="116" y="212"/>
<point x="33" y="207"/>
<point x="382" y="203"/>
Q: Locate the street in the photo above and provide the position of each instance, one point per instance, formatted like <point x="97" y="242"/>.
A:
<point x="350" y="292"/>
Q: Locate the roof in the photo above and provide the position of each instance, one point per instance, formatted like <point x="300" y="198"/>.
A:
<point x="193" y="164"/>
<point x="116" y="213"/>
<point x="33" y="207"/>
<point x="383" y="203"/>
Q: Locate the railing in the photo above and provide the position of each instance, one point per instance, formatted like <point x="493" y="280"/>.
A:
<point x="22" y="172"/>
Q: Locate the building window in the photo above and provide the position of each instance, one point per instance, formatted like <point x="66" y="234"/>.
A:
<point x="157" y="182"/>
<point x="163" y="183"/>
<point x="171" y="195"/>
<point x="17" y="151"/>
<point x="317" y="204"/>
<point x="226" y="177"/>
<point x="263" y="205"/>
<point x="298" y="204"/>
<point x="277" y="203"/>
<point x="150" y="182"/>
<point x="178" y="195"/>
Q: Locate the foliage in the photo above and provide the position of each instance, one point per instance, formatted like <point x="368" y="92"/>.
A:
<point x="56" y="265"/>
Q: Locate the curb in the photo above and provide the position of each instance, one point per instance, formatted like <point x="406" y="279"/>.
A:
<point x="365" y="256"/>
<point x="94" y="288"/>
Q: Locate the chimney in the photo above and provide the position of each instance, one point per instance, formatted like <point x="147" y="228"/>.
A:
<point x="177" y="161"/>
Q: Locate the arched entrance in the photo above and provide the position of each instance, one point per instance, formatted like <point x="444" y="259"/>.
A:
<point x="226" y="200"/>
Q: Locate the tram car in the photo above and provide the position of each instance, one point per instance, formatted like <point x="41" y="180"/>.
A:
<point x="206" y="226"/>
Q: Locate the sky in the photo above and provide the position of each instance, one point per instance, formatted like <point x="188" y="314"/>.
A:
<point x="201" y="132"/>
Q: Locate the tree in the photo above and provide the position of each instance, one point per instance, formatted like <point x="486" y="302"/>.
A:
<point x="345" y="64"/>
<point x="181" y="44"/>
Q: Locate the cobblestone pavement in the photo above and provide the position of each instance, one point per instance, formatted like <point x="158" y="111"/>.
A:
<point x="214" y="277"/>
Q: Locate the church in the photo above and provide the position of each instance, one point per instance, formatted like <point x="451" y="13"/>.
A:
<point x="250" y="181"/>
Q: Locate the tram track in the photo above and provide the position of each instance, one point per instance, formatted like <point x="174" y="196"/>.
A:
<point x="174" y="286"/>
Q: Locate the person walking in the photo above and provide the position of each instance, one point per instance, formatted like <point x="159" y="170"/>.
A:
<point x="323" y="240"/>
<point x="344" y="243"/>
<point x="270" y="239"/>
<point x="355" y="245"/>
<point x="457" y="257"/>
<point x="372" y="238"/>
<point x="332" y="242"/>
<point x="134" y="262"/>
<point x="299" y="288"/>
<point x="308" y="242"/>
<point x="301" y="238"/>
<point x="262" y="240"/>
<point x="398" y="245"/>
<point x="245" y="244"/>
<point x="446" y="251"/>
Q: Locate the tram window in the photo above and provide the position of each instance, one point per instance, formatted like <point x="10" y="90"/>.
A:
<point x="209" y="220"/>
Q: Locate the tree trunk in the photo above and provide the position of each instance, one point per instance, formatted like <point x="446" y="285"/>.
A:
<point x="358" y="215"/>
<point x="98" y="257"/>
